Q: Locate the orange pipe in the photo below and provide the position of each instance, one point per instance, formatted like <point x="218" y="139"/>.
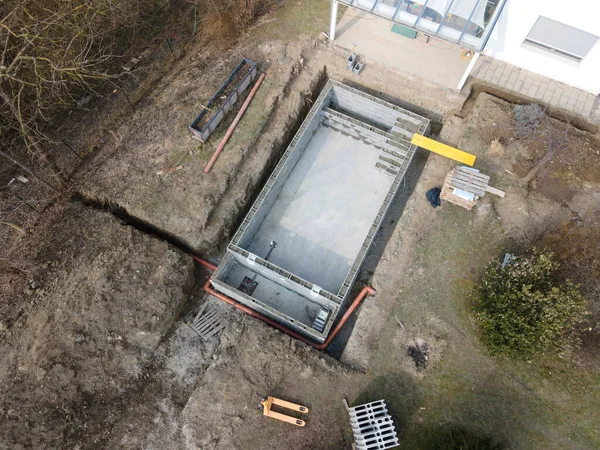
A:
<point x="215" y="155"/>
<point x="205" y="263"/>
<point x="366" y="290"/>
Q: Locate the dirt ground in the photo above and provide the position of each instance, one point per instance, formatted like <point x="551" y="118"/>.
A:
<point x="98" y="302"/>
<point x="96" y="347"/>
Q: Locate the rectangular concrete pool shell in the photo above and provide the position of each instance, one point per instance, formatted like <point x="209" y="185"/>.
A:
<point x="299" y="249"/>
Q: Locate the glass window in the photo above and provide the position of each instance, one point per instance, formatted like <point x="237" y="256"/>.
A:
<point x="561" y="39"/>
<point x="465" y="22"/>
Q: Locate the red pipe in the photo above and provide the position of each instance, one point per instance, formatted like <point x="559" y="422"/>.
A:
<point x="215" y="155"/>
<point x="205" y="263"/>
<point x="366" y="290"/>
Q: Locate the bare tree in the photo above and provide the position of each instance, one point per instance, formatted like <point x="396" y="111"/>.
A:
<point x="50" y="52"/>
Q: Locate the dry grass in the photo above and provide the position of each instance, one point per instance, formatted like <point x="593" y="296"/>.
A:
<point x="577" y="248"/>
<point x="226" y="20"/>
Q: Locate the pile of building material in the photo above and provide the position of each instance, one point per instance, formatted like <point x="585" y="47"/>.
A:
<point x="463" y="186"/>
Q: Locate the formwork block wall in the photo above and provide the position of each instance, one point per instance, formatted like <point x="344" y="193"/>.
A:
<point x="323" y="204"/>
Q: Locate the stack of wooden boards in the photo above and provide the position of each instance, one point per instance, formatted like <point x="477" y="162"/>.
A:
<point x="463" y="186"/>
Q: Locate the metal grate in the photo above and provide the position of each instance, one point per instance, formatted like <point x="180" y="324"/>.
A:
<point x="208" y="322"/>
<point x="372" y="426"/>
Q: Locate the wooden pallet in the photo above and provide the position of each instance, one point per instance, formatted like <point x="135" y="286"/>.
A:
<point x="448" y="193"/>
<point x="470" y="181"/>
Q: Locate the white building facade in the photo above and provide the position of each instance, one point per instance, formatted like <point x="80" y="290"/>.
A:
<point x="552" y="38"/>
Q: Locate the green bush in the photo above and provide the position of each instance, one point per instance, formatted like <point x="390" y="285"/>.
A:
<point x="523" y="308"/>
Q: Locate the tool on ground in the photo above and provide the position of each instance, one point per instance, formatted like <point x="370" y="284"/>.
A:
<point x="372" y="426"/>
<point x="267" y="402"/>
<point x="464" y="185"/>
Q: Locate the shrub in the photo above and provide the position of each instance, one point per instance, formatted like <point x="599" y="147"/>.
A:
<point x="523" y="308"/>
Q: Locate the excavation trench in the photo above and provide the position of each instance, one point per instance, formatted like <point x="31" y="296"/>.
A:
<point x="478" y="88"/>
<point x="227" y="219"/>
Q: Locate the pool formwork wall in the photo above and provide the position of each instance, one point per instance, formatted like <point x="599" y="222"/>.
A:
<point x="360" y="123"/>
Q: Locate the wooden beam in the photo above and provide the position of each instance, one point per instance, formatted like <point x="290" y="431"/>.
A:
<point x="493" y="190"/>
<point x="443" y="149"/>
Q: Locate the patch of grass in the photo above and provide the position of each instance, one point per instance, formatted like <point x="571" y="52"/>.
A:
<point x="546" y="403"/>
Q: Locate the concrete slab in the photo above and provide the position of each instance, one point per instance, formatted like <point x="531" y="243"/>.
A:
<point x="323" y="205"/>
<point x="325" y="209"/>
<point x="272" y="294"/>
<point x="371" y="37"/>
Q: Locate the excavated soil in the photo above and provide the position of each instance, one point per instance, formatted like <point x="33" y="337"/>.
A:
<point x="96" y="350"/>
<point x="96" y="306"/>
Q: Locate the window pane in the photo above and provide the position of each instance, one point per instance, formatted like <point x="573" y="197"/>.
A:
<point x="564" y="38"/>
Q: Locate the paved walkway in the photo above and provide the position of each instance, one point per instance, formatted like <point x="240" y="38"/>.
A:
<point x="538" y="88"/>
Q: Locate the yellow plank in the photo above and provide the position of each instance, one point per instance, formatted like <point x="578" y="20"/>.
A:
<point x="443" y="149"/>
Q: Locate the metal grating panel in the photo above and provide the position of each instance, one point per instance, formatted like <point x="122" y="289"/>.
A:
<point x="209" y="322"/>
<point x="372" y="426"/>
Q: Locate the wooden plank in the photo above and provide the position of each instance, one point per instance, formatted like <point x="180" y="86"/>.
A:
<point x="443" y="149"/>
<point x="493" y="190"/>
<point x="477" y="183"/>
<point x="469" y="188"/>
<point x="477" y="177"/>
<point x="472" y="176"/>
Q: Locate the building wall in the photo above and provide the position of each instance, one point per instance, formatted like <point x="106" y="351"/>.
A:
<point x="519" y="16"/>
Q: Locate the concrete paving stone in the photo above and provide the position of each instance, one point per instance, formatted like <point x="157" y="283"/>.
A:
<point x="574" y="95"/>
<point x="556" y="95"/>
<point x="493" y="64"/>
<point x="497" y="73"/>
<point x="561" y="103"/>
<point x="518" y="86"/>
<point x="589" y="105"/>
<point x="552" y="85"/>
<point x="580" y="102"/>
<point x="541" y="90"/>
<point x="564" y="100"/>
<point x="595" y="116"/>
<point x="512" y="79"/>
<point x="547" y="97"/>
<point x="587" y="110"/>
<point x="483" y="67"/>
<point x="504" y="77"/>
<point x="532" y="90"/>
